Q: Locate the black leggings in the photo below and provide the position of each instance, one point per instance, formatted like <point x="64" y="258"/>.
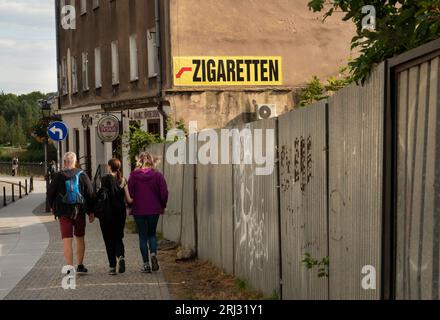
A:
<point x="113" y="233"/>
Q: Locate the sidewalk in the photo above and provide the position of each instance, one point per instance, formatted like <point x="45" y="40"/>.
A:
<point x="23" y="238"/>
<point x="41" y="280"/>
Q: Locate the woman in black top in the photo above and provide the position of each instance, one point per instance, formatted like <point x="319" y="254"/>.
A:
<point x="112" y="219"/>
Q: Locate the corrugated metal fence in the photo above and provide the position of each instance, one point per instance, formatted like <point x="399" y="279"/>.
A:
<point x="323" y="198"/>
<point x="356" y="118"/>
<point x="256" y="218"/>
<point x="304" y="218"/>
<point x="418" y="176"/>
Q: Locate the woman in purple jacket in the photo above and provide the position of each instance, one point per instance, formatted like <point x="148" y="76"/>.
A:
<point x="149" y="191"/>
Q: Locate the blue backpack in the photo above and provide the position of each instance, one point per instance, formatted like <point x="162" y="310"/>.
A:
<point x="73" y="194"/>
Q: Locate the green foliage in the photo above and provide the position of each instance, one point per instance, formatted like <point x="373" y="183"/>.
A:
<point x="4" y="131"/>
<point x="275" y="296"/>
<point x="180" y="125"/>
<point x="7" y="153"/>
<point x="312" y="263"/>
<point x="316" y="90"/>
<point x="34" y="153"/>
<point x="139" y="140"/>
<point x="401" y="25"/>
<point x="21" y="126"/>
<point x="18" y="115"/>
<point x="159" y="236"/>
<point x="241" y="284"/>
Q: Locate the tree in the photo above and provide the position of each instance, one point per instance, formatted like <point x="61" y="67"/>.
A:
<point x="4" y="131"/>
<point x="139" y="140"/>
<point x="401" y="25"/>
<point x="18" y="137"/>
<point x="19" y="116"/>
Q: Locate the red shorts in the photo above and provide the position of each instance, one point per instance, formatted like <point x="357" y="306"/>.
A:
<point x="70" y="227"/>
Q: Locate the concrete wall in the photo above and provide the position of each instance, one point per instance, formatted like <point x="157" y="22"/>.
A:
<point x="217" y="109"/>
<point x="262" y="28"/>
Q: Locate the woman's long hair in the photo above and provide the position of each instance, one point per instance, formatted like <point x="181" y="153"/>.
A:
<point x="116" y="167"/>
<point x="146" y="160"/>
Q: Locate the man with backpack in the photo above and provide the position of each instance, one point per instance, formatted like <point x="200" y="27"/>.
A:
<point x="70" y="196"/>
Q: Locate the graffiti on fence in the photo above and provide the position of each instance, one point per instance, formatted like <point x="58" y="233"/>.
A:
<point x="300" y="171"/>
<point x="249" y="224"/>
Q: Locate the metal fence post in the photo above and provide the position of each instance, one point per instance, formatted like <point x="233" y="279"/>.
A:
<point x="25" y="187"/>
<point x="19" y="190"/>
<point x="4" y="197"/>
<point x="31" y="184"/>
<point x="13" y="195"/>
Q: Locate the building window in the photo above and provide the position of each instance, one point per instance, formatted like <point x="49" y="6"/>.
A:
<point x="95" y="4"/>
<point x="134" y="72"/>
<point x="74" y="76"/>
<point x="98" y="72"/>
<point x="83" y="6"/>
<point x="64" y="76"/>
<point x="153" y="62"/>
<point x="85" y="71"/>
<point x="115" y="63"/>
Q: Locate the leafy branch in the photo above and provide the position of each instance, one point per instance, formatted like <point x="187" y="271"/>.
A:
<point x="401" y="25"/>
<point x="315" y="90"/>
<point x="322" y="265"/>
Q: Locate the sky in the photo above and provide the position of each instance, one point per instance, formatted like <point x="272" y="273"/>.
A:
<point x="27" y="46"/>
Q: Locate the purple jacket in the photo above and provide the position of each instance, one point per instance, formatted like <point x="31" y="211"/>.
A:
<point x="149" y="191"/>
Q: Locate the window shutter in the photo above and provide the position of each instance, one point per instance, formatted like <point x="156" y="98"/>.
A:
<point x="74" y="75"/>
<point x="134" y="72"/>
<point x="85" y="66"/>
<point x="153" y="63"/>
<point x="98" y="73"/>
<point x="115" y="63"/>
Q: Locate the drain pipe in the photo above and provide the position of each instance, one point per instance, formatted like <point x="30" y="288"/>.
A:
<point x="159" y="59"/>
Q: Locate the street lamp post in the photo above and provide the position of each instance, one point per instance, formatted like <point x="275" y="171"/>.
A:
<point x="46" y="112"/>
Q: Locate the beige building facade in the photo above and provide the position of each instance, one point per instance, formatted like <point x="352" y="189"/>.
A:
<point x="214" y="62"/>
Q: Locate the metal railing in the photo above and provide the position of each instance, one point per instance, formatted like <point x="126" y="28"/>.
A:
<point x="23" y="190"/>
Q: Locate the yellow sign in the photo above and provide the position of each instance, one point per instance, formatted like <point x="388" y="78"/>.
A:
<point x="228" y="71"/>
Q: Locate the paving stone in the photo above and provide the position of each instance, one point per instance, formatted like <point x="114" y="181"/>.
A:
<point x="44" y="280"/>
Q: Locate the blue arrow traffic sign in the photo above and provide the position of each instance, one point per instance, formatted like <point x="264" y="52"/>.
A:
<point x="57" y="131"/>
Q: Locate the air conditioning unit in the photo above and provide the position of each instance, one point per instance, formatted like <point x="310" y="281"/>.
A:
<point x="266" y="111"/>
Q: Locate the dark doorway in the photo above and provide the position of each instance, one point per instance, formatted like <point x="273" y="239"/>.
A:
<point x="68" y="143"/>
<point x="88" y="152"/>
<point x="76" y="131"/>
<point x="154" y="127"/>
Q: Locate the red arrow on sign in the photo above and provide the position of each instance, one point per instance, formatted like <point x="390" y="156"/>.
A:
<point x="182" y="71"/>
